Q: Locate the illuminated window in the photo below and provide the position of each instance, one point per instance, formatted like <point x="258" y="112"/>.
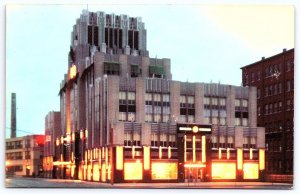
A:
<point x="250" y="170"/>
<point x="164" y="171"/>
<point x="223" y="170"/>
<point x="133" y="170"/>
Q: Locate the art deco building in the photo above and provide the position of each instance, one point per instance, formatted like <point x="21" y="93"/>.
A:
<point x="274" y="79"/>
<point x="24" y="155"/>
<point x="124" y="119"/>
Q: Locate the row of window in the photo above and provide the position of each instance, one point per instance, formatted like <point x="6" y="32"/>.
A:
<point x="241" y="102"/>
<point x="275" y="107"/>
<point x="162" y="139"/>
<point x="157" y="107"/>
<point x="276" y="89"/>
<point x="275" y="126"/>
<point x="270" y="70"/>
<point x="228" y="141"/>
<point x="17" y="155"/>
<point x="214" y="101"/>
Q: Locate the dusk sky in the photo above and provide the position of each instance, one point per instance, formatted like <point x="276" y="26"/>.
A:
<point x="204" y="43"/>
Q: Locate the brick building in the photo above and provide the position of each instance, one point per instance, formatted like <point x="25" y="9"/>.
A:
<point x="124" y="119"/>
<point x="274" y="79"/>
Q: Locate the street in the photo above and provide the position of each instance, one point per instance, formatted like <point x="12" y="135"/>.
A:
<point x="21" y="182"/>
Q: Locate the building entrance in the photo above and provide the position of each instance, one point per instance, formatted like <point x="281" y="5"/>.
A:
<point x="194" y="174"/>
<point x="192" y="152"/>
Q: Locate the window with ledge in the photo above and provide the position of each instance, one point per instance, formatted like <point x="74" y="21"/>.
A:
<point x="127" y="108"/>
<point x="267" y="71"/>
<point x="275" y="89"/>
<point x="245" y="122"/>
<point x="154" y="140"/>
<point x="187" y="108"/>
<point x="252" y="77"/>
<point x="266" y="109"/>
<point x="288" y="105"/>
<point x="258" y="93"/>
<point x="222" y="141"/>
<point x="258" y="75"/>
<point x="279" y="88"/>
<point x="237" y="103"/>
<point x="252" y="142"/>
<point x="275" y="107"/>
<point x="134" y="70"/>
<point x="230" y="141"/>
<point x="111" y="68"/>
<point x="270" y="108"/>
<point x="163" y="140"/>
<point x="266" y="91"/>
<point x="172" y="140"/>
<point x="214" y="141"/>
<point x="157" y="107"/>
<point x="288" y="66"/>
<point x="237" y="121"/>
<point x="136" y="138"/>
<point x="246" y="142"/>
<point x="245" y="103"/>
<point x="288" y="86"/>
<point x="128" y="139"/>
<point x="279" y="106"/>
<point x="258" y="111"/>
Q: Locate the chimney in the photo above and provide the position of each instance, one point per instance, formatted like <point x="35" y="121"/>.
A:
<point x="284" y="50"/>
<point x="263" y="58"/>
<point x="13" y="122"/>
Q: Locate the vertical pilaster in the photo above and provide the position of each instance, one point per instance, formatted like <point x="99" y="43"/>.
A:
<point x="175" y="99"/>
<point x="199" y="103"/>
<point x="230" y="106"/>
<point x="252" y="107"/>
<point x="140" y="99"/>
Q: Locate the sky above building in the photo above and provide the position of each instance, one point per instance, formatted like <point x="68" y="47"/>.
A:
<point x="204" y="43"/>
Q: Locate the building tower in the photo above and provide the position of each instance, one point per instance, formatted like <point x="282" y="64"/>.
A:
<point x="13" y="122"/>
